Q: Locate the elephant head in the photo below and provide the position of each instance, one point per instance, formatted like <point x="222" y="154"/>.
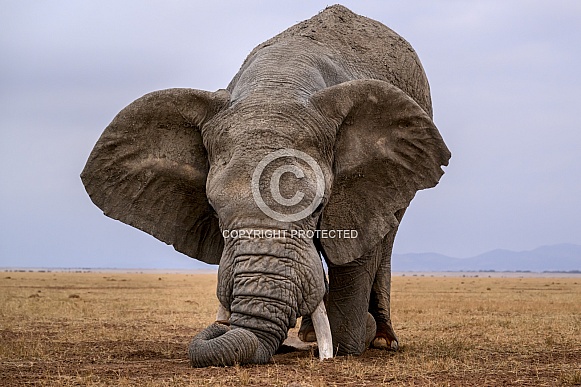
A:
<point x="181" y="165"/>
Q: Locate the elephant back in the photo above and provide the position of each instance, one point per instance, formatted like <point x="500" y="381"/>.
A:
<point x="369" y="49"/>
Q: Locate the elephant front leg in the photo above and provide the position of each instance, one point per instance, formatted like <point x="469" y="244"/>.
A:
<point x="352" y="326"/>
<point x="379" y="303"/>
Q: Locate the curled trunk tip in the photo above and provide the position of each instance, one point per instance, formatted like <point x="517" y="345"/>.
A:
<point x="218" y="345"/>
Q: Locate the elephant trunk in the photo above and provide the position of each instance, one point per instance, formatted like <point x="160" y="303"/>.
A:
<point x="222" y="345"/>
<point x="264" y="304"/>
<point x="218" y="345"/>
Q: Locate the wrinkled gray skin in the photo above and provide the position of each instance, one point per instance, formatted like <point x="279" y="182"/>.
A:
<point x="178" y="163"/>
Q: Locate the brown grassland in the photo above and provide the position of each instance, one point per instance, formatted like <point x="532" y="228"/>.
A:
<point x="123" y="329"/>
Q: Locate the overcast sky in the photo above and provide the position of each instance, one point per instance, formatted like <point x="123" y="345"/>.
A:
<point x="505" y="86"/>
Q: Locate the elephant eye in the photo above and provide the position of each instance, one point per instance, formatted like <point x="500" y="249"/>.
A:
<point x="404" y="124"/>
<point x="319" y="208"/>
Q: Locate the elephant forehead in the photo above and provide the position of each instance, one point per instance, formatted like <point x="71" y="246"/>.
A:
<point x="269" y="111"/>
<point x="252" y="131"/>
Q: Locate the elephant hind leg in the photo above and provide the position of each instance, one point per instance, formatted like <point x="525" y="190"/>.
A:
<point x="379" y="308"/>
<point x="379" y="301"/>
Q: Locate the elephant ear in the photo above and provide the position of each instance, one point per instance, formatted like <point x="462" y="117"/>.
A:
<point x="387" y="148"/>
<point x="149" y="170"/>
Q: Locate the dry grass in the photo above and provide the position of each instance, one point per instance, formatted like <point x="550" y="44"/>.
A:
<point x="96" y="329"/>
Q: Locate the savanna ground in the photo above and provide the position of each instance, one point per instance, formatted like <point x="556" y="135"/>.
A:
<point x="95" y="329"/>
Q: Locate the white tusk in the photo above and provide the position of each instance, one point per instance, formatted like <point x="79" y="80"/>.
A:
<point x="323" y="332"/>
<point x="223" y="313"/>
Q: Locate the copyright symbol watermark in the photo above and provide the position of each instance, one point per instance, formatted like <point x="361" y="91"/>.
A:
<point x="308" y="176"/>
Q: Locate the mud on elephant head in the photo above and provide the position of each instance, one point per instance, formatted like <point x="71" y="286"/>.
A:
<point x="334" y="113"/>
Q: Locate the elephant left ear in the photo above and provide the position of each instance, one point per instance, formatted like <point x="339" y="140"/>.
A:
<point x="149" y="170"/>
<point x="387" y="148"/>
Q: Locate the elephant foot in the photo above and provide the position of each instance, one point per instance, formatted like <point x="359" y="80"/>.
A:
<point x="385" y="338"/>
<point x="381" y="342"/>
<point x="307" y="331"/>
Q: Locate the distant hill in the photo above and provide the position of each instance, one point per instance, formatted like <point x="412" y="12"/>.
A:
<point x="562" y="257"/>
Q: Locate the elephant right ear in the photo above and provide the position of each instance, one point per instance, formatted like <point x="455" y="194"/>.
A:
<point x="387" y="148"/>
<point x="149" y="169"/>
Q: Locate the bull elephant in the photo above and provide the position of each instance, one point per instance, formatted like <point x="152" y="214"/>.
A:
<point x="315" y="149"/>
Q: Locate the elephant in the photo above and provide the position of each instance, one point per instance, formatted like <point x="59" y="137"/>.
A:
<point x="312" y="153"/>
